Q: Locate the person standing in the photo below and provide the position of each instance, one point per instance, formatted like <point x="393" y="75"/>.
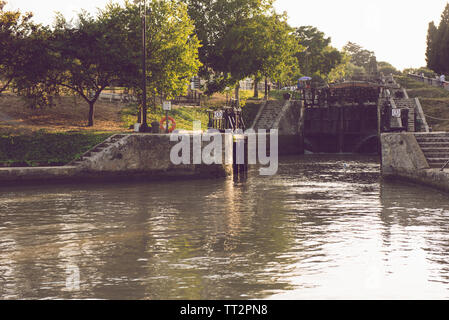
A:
<point x="442" y="80"/>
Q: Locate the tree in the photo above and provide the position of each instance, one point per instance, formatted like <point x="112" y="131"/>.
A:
<point x="96" y="52"/>
<point x="360" y="56"/>
<point x="423" y="70"/>
<point x="14" y="28"/>
<point x="172" y="46"/>
<point x="89" y="57"/>
<point x="340" y="71"/>
<point x="437" y="53"/>
<point x="35" y="80"/>
<point x="261" y="46"/>
<point x="432" y="46"/>
<point x="318" y="58"/>
<point x="214" y="21"/>
<point x="387" y="68"/>
<point x="279" y="60"/>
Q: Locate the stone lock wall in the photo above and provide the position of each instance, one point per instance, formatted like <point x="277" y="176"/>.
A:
<point x="149" y="155"/>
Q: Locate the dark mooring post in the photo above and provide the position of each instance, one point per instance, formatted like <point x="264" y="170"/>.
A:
<point x="341" y="133"/>
<point x="379" y="126"/>
<point x="143" y="117"/>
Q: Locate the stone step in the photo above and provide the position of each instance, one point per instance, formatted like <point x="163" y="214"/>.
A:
<point x="436" y="155"/>
<point x="434" y="145"/>
<point x="435" y="149"/>
<point x="99" y="148"/>
<point x="432" y="139"/>
<point x="432" y="134"/>
<point x="434" y="161"/>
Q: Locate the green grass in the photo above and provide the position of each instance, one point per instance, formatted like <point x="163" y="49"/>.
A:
<point x="279" y="94"/>
<point x="46" y="148"/>
<point x="183" y="116"/>
<point x="434" y="100"/>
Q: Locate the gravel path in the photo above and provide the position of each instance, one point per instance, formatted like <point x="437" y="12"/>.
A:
<point x="7" y="119"/>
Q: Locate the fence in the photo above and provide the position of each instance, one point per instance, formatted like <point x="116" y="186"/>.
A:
<point x="430" y="81"/>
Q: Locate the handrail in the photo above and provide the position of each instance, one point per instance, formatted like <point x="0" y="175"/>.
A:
<point x="432" y="81"/>
<point x="445" y="165"/>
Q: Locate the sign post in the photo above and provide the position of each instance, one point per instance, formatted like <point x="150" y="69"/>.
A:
<point x="166" y="105"/>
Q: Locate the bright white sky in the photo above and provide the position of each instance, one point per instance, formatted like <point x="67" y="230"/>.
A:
<point x="394" y="29"/>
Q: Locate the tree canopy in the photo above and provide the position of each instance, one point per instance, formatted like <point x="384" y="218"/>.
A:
<point x="361" y="57"/>
<point x="14" y="28"/>
<point x="437" y="53"/>
<point x="317" y="57"/>
<point x="94" y="52"/>
<point x="242" y="38"/>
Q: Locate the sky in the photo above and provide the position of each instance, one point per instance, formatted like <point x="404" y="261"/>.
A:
<point x="395" y="30"/>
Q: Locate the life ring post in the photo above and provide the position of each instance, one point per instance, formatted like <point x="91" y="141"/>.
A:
<point x="168" y="124"/>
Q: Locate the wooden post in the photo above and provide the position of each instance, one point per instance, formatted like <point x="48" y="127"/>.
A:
<point x="341" y="134"/>
<point x="379" y="126"/>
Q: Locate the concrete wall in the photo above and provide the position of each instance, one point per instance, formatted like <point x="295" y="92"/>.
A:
<point x="149" y="155"/>
<point x="290" y="124"/>
<point x="401" y="154"/>
<point x="39" y="174"/>
<point x="135" y="156"/>
<point x="402" y="158"/>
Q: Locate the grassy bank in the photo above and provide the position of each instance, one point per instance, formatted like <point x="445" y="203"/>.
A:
<point x="434" y="100"/>
<point x="47" y="148"/>
<point x="58" y="135"/>
<point x="184" y="116"/>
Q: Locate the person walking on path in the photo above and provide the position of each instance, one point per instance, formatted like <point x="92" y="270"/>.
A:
<point x="442" y="80"/>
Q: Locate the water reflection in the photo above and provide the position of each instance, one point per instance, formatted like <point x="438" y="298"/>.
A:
<point x="324" y="227"/>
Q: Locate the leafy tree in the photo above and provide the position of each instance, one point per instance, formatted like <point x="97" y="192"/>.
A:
<point x="280" y="62"/>
<point x="318" y="58"/>
<point x="341" y="71"/>
<point x="35" y="79"/>
<point x="437" y="53"/>
<point x="432" y="46"/>
<point x="14" y="28"/>
<point x="214" y="21"/>
<point x="423" y="70"/>
<point x="261" y="46"/>
<point x="387" y="68"/>
<point x="360" y="56"/>
<point x="171" y="46"/>
<point x="89" y="57"/>
<point x="96" y="52"/>
<point x="353" y="71"/>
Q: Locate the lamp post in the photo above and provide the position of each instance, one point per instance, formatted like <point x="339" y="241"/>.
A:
<point x="144" y="124"/>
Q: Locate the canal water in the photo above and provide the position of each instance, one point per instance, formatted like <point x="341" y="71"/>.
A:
<point x="325" y="227"/>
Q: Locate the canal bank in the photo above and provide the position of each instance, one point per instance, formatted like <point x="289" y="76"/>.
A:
<point x="416" y="157"/>
<point x="130" y="156"/>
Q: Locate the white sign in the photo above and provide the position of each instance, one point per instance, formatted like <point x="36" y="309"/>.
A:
<point x="218" y="115"/>
<point x="166" y="105"/>
<point x="396" y="113"/>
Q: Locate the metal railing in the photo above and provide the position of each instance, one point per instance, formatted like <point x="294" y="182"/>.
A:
<point x="430" y="81"/>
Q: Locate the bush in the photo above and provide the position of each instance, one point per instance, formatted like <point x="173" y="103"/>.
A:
<point x="46" y="149"/>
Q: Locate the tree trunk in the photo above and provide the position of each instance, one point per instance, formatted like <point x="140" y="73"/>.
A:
<point x="139" y="115"/>
<point x="90" y="122"/>
<point x="256" y="88"/>
<point x="237" y="94"/>
<point x="266" y="88"/>
<point x="5" y="86"/>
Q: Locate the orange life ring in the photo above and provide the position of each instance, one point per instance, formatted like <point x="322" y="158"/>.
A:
<point x="171" y="124"/>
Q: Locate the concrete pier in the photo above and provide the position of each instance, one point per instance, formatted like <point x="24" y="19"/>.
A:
<point x="403" y="158"/>
<point x="128" y="156"/>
